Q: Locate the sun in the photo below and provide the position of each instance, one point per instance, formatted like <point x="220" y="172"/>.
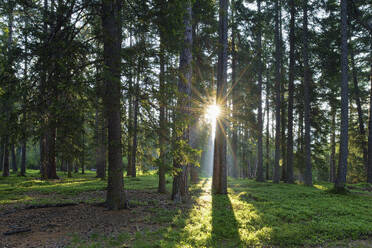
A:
<point x="212" y="112"/>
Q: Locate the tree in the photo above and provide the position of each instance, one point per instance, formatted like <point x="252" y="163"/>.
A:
<point x="292" y="61"/>
<point x="308" y="170"/>
<point x="180" y="179"/>
<point x="219" y="181"/>
<point x="111" y="24"/>
<point x="260" y="170"/>
<point x="276" y="176"/>
<point x="344" y="138"/>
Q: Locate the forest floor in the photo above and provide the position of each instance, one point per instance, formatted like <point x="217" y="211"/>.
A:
<point x="67" y="213"/>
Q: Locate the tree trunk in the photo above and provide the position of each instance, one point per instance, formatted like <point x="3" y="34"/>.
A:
<point x="180" y="182"/>
<point x="6" y="157"/>
<point x="290" y="178"/>
<point x="332" y="160"/>
<point x="283" y="146"/>
<point x="369" y="170"/>
<point x="1" y="153"/>
<point x="359" y="110"/>
<point x="162" y="120"/>
<point x="308" y="178"/>
<point x="344" y="135"/>
<point x="69" y="168"/>
<point x="267" y="128"/>
<point x="14" y="158"/>
<point x="135" y="129"/>
<point x="260" y="170"/>
<point x="111" y="22"/>
<point x="234" y="82"/>
<point x="100" y="145"/>
<point x="219" y="181"/>
<point x="52" y="166"/>
<point x="276" y="176"/>
<point x="23" y="158"/>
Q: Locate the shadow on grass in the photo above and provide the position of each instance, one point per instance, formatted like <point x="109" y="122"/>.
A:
<point x="225" y="228"/>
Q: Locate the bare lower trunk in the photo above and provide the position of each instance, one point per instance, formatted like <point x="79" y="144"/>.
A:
<point x="290" y="178"/>
<point x="134" y="145"/>
<point x="219" y="181"/>
<point x="111" y="24"/>
<point x="14" y="159"/>
<point x="180" y="179"/>
<point x="52" y="166"/>
<point x="344" y="136"/>
<point x="369" y="170"/>
<point x="23" y="158"/>
<point x="162" y="121"/>
<point x="359" y="110"/>
<point x="6" y="157"/>
<point x="332" y="161"/>
<point x="276" y="176"/>
<point x="308" y="178"/>
<point x="260" y="170"/>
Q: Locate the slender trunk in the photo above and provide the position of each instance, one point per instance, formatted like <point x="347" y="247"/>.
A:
<point x="359" y="110"/>
<point x="162" y="120"/>
<point x="369" y="170"/>
<point x="267" y="128"/>
<point x="100" y="145"/>
<point x="1" y="153"/>
<point x="6" y="157"/>
<point x="260" y="170"/>
<point x="234" y="82"/>
<point x="308" y="178"/>
<point x="69" y="168"/>
<point x="219" y="181"/>
<point x="14" y="158"/>
<point x="344" y="135"/>
<point x="111" y="24"/>
<point x="135" y="127"/>
<point x="180" y="180"/>
<point x="276" y="176"/>
<point x="290" y="178"/>
<point x="283" y="146"/>
<point x="52" y="166"/>
<point x="332" y="161"/>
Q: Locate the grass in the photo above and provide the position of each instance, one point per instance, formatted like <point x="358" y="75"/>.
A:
<point x="252" y="214"/>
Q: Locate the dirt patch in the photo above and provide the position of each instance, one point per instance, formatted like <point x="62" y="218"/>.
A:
<point x="54" y="226"/>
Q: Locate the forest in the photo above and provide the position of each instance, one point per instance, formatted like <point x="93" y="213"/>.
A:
<point x="185" y="123"/>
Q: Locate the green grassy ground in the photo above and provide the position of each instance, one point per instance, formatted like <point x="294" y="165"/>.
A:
<point x="252" y="214"/>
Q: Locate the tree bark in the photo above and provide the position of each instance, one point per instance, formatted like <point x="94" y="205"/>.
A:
<point x="234" y="82"/>
<point x="135" y="129"/>
<point x="308" y="178"/>
<point x="332" y="160"/>
<point x="162" y="119"/>
<point x="14" y="158"/>
<point x="260" y="170"/>
<point x="52" y="166"/>
<point x="359" y="110"/>
<point x="292" y="61"/>
<point x="6" y="157"/>
<point x="267" y="128"/>
<point x="111" y="24"/>
<point x="344" y="136"/>
<point x="219" y="181"/>
<point x="180" y="180"/>
<point x="276" y="176"/>
<point x="369" y="170"/>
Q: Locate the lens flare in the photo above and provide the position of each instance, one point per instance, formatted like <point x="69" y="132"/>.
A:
<point x="212" y="112"/>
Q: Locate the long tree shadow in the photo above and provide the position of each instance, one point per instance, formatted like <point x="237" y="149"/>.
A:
<point x="225" y="227"/>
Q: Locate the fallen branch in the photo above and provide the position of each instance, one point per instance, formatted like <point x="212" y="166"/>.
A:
<point x="52" y="205"/>
<point x="18" y="230"/>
